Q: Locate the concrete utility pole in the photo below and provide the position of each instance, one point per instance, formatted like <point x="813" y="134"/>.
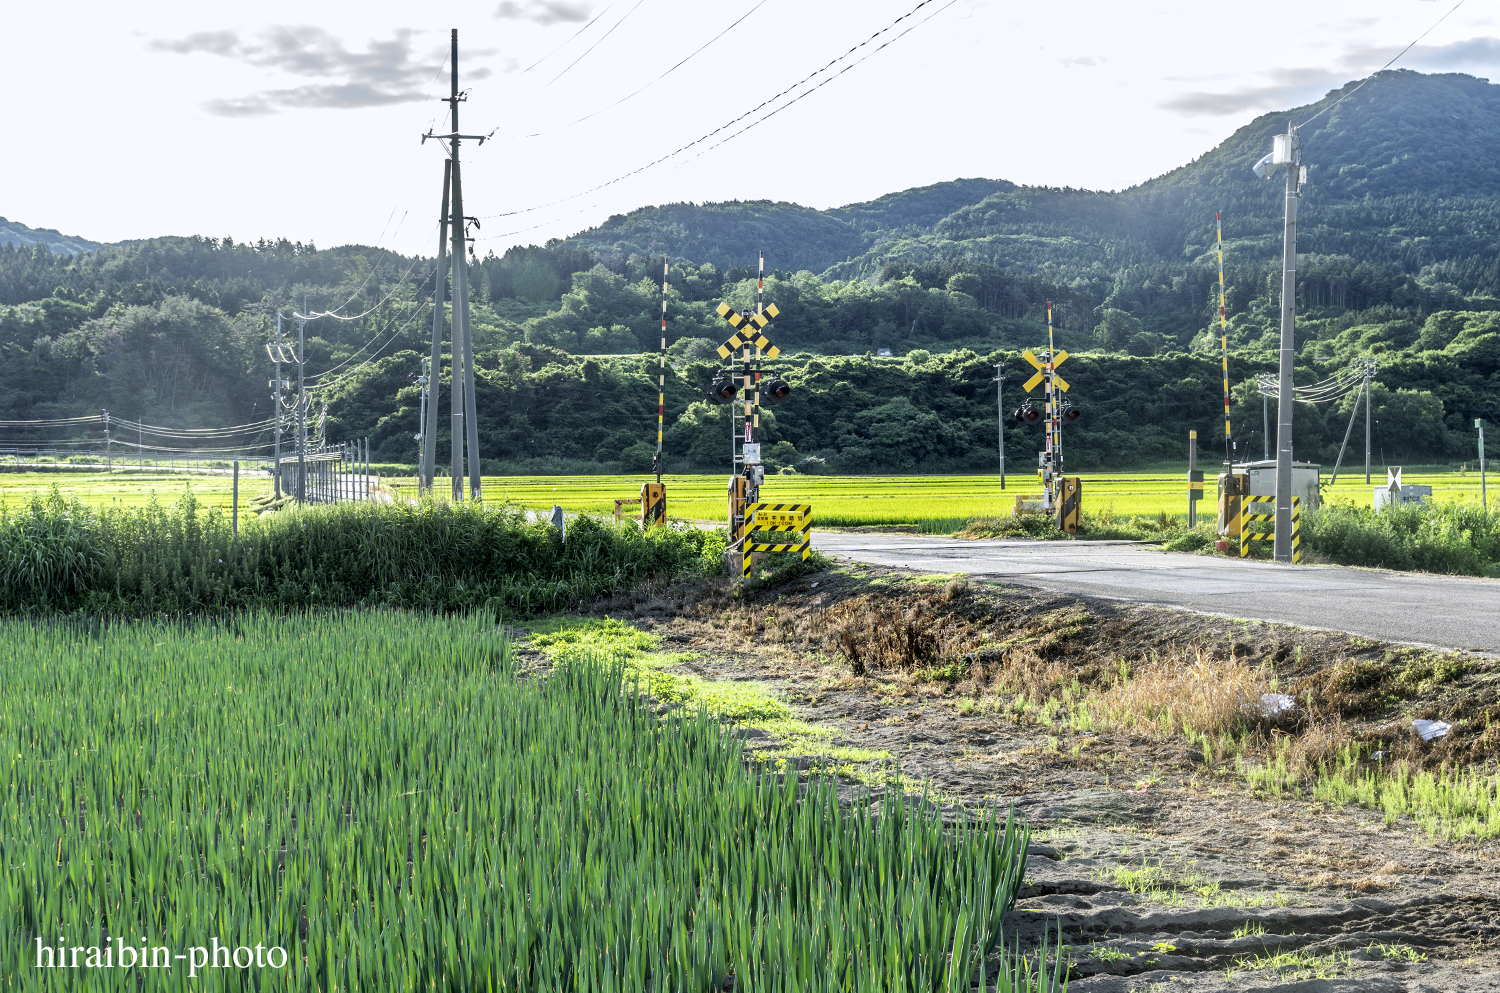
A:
<point x="302" y="403"/>
<point x="1484" y="498"/>
<point x="1369" y="402"/>
<point x="462" y="380"/>
<point x="1192" y="467"/>
<point x="440" y="278"/>
<point x="1288" y="152"/>
<point x="1000" y="415"/>
<point x="276" y="405"/>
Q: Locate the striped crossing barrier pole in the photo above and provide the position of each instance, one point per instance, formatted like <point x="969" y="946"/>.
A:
<point x="1247" y="518"/>
<point x="775" y="521"/>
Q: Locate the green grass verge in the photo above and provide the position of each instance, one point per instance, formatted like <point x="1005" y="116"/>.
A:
<point x="59" y="554"/>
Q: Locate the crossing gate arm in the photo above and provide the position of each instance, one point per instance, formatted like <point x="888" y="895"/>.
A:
<point x="776" y="527"/>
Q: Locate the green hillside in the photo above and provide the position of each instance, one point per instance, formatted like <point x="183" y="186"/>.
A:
<point x="14" y="234"/>
<point x="1399" y="261"/>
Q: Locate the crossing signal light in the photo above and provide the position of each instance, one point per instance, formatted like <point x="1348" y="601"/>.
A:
<point x="1072" y="414"/>
<point x="1027" y="413"/>
<point x="722" y="389"/>
<point x="774" y="390"/>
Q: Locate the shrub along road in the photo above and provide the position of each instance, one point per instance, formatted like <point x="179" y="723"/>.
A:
<point x="1440" y="611"/>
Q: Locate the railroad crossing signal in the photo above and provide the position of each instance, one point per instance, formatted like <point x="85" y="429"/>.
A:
<point x="748" y="331"/>
<point x="1041" y="371"/>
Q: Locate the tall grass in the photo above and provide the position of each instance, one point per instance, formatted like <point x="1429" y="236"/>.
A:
<point x="377" y="794"/>
<point x="1450" y="538"/>
<point x="60" y="554"/>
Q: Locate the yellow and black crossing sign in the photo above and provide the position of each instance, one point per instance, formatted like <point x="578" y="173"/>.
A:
<point x="1041" y="371"/>
<point x="1247" y="519"/>
<point x="1195" y="484"/>
<point x="790" y="522"/>
<point x="748" y="331"/>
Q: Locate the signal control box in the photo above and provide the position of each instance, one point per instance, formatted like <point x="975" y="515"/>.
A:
<point x="1069" y="504"/>
<point x="1233" y="488"/>
<point x="653" y="504"/>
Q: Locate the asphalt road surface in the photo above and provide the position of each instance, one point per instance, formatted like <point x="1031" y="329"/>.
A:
<point x="1440" y="611"/>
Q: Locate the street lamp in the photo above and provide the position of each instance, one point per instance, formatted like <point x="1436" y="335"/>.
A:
<point x="1286" y="150"/>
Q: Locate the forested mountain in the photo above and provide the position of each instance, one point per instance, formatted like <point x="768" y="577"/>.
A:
<point x="14" y="234"/>
<point x="1399" y="260"/>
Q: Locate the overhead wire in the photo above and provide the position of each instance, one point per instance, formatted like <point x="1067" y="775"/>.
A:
<point x="1383" y="68"/>
<point x="54" y="421"/>
<point x="731" y="123"/>
<point x="574" y="35"/>
<point x="681" y="62"/>
<point x="420" y="308"/>
<point x="836" y="75"/>
<point x="595" y="45"/>
<point x="316" y="315"/>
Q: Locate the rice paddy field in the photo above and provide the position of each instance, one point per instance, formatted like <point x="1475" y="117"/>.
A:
<point x="837" y="500"/>
<point x="378" y="801"/>
<point x="132" y="488"/>
<point x="874" y="500"/>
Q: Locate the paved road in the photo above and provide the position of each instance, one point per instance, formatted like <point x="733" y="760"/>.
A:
<point x="1444" y="611"/>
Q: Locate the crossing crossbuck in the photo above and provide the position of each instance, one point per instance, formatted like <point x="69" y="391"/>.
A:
<point x="1041" y="371"/>
<point x="748" y="331"/>
<point x="790" y="522"/>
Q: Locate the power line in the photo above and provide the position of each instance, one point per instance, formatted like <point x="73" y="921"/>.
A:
<point x="680" y="64"/>
<point x="316" y="315"/>
<point x="595" y="45"/>
<point x="1383" y="68"/>
<point x="835" y="75"/>
<point x="730" y="124"/>
<point x="420" y="308"/>
<point x="565" y="44"/>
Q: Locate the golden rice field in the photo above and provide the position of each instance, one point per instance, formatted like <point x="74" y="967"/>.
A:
<point x="835" y="499"/>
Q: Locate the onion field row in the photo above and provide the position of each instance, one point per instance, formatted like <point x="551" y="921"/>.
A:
<point x="376" y="801"/>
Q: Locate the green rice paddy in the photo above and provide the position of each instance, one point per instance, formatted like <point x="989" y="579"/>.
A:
<point x="836" y="500"/>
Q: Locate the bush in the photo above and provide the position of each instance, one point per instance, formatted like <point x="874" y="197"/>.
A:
<point x="60" y="555"/>
<point x="1446" y="538"/>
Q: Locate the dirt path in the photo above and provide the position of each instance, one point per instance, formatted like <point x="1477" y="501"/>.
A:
<point x="1164" y="873"/>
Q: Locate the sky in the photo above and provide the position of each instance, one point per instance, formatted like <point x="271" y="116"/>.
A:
<point x="303" y="120"/>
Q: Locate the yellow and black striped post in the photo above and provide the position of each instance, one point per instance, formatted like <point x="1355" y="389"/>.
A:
<point x="765" y="523"/>
<point x="1247" y="518"/>
<point x="1296" y="530"/>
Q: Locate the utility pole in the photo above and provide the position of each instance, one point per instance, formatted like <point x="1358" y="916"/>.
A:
<point x="276" y="387"/>
<point x="462" y="364"/>
<point x="1288" y="151"/>
<point x="1484" y="498"/>
<point x="1000" y="415"/>
<point x="1224" y="347"/>
<point x="424" y="381"/>
<point x="108" y="457"/>
<point x="1369" y="402"/>
<point x="430" y="395"/>
<point x="1193" y="477"/>
<point x="302" y="403"/>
